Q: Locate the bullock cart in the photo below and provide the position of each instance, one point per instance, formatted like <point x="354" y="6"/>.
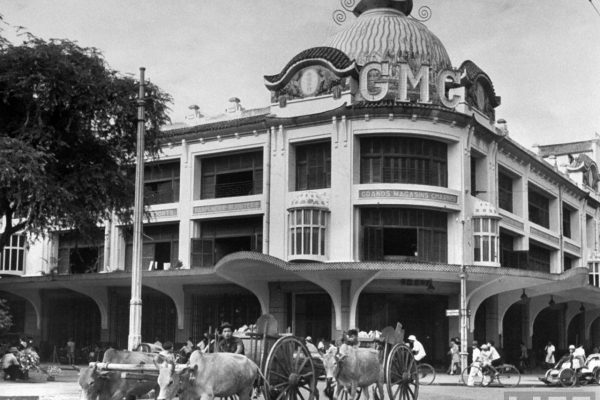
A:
<point x="400" y="369"/>
<point x="286" y="366"/>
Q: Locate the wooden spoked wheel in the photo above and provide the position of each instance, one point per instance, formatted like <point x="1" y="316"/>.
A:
<point x="289" y="371"/>
<point x="402" y="377"/>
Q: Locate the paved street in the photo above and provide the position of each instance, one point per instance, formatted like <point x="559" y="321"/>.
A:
<point x="445" y="388"/>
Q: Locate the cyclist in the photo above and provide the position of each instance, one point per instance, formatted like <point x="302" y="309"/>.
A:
<point x="417" y="348"/>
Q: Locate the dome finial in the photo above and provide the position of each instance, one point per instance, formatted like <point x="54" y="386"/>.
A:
<point x="404" y="6"/>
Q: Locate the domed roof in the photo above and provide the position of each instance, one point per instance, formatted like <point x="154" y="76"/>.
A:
<point x="484" y="209"/>
<point x="387" y="34"/>
<point x="309" y="200"/>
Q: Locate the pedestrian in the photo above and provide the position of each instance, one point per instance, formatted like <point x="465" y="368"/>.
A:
<point x="321" y="346"/>
<point x="523" y="358"/>
<point x="454" y="353"/>
<point x="11" y="365"/>
<point x="71" y="351"/>
<point x="549" y="360"/>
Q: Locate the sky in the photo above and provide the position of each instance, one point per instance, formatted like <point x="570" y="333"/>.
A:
<point x="543" y="56"/>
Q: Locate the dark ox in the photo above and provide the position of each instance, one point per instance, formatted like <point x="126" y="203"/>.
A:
<point x="353" y="369"/>
<point x="207" y="376"/>
<point x="108" y="385"/>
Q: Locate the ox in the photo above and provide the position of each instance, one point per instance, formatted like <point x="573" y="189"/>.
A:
<point x="108" y="385"/>
<point x="207" y="376"/>
<point x="355" y="368"/>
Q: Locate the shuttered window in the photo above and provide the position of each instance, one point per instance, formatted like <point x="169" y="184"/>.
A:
<point x="161" y="183"/>
<point x="313" y="166"/>
<point x="403" y="160"/>
<point x="239" y="174"/>
<point x="397" y="234"/>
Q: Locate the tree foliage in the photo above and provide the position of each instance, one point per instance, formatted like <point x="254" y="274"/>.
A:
<point x="5" y="317"/>
<point x="67" y="136"/>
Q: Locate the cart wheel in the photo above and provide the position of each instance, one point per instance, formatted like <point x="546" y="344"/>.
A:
<point x="426" y="374"/>
<point x="476" y="375"/>
<point x="567" y="377"/>
<point x="508" y="375"/>
<point x="290" y="371"/>
<point x="401" y="374"/>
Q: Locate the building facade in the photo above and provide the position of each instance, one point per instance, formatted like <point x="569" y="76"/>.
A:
<point x="375" y="177"/>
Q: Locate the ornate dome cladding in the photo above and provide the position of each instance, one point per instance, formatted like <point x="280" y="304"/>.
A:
<point x="383" y="33"/>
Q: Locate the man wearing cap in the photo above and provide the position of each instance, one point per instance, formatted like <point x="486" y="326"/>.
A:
<point x="417" y="348"/>
<point x="11" y="365"/>
<point x="229" y="343"/>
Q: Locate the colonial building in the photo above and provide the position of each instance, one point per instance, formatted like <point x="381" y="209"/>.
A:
<point x="355" y="199"/>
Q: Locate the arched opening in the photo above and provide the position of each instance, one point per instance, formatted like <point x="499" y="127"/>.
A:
<point x="546" y="328"/>
<point x="68" y="314"/>
<point x="480" y="333"/>
<point x="576" y="329"/>
<point x="595" y="333"/>
<point x="17" y="309"/>
<point x="159" y="317"/>
<point x="421" y="315"/>
<point x="512" y="331"/>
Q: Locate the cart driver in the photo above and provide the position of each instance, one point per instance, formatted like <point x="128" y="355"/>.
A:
<point x="229" y="343"/>
<point x="417" y="348"/>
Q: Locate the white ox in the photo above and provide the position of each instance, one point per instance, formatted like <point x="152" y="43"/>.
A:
<point x="207" y="376"/>
<point x="353" y="369"/>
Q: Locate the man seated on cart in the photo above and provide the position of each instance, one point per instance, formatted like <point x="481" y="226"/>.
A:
<point x="228" y="342"/>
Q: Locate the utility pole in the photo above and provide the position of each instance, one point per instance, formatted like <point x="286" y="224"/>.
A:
<point x="135" y="304"/>
<point x="464" y="313"/>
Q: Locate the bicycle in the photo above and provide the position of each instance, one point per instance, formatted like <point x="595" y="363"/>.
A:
<point x="507" y="375"/>
<point x="426" y="374"/>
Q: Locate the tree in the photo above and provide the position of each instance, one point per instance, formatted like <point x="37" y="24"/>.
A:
<point x="67" y="137"/>
<point x="5" y="317"/>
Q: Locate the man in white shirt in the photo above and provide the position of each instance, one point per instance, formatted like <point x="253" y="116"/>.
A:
<point x="496" y="358"/>
<point x="417" y="348"/>
<point x="476" y="359"/>
<point x="11" y="365"/>
<point x="550" y="349"/>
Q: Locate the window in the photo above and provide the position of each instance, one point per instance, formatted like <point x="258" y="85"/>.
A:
<point x="80" y="255"/>
<point x="594" y="273"/>
<point x="232" y="175"/>
<point x="397" y="234"/>
<point x="161" y="183"/>
<point x="505" y="191"/>
<point x="567" y="221"/>
<point x="160" y="249"/>
<point x="485" y="240"/>
<point x="509" y="257"/>
<point x="403" y="160"/>
<point x="539" y="207"/>
<point x="220" y="237"/>
<point x="307" y="232"/>
<point x="569" y="262"/>
<point x="13" y="256"/>
<point x="539" y="258"/>
<point x="313" y="166"/>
